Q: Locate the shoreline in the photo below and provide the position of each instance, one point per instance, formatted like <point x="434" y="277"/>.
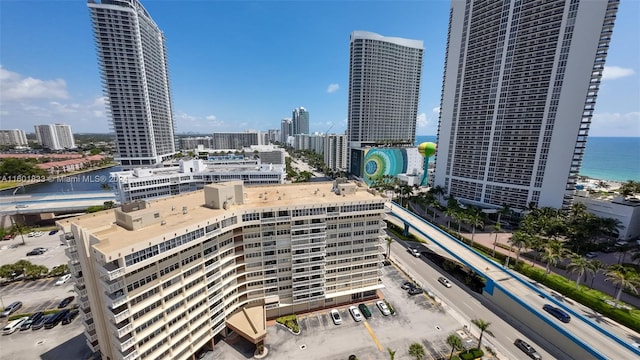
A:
<point x="54" y="178"/>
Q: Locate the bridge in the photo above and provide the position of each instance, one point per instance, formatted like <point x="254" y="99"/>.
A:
<point x="581" y="338"/>
<point x="53" y="202"/>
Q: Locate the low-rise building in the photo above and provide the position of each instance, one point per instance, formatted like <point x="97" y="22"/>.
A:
<point x="614" y="206"/>
<point x="192" y="175"/>
<point x="161" y="279"/>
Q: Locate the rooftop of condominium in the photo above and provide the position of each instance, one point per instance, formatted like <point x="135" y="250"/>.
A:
<point x="137" y="225"/>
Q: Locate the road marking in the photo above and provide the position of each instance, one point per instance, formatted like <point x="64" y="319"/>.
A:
<point x="373" y="336"/>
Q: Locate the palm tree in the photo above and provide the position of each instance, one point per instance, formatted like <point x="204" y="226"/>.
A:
<point x="483" y="326"/>
<point x="476" y="220"/>
<point x="597" y="267"/>
<point x="389" y="241"/>
<point x="417" y="351"/>
<point x="450" y="213"/>
<point x="623" y="277"/>
<point x="504" y="210"/>
<point x="552" y="253"/>
<point x="518" y="239"/>
<point x="455" y="342"/>
<point x="497" y="229"/>
<point x="437" y="191"/>
<point x="581" y="266"/>
<point x="392" y="354"/>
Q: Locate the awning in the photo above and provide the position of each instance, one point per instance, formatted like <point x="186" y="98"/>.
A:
<point x="250" y="323"/>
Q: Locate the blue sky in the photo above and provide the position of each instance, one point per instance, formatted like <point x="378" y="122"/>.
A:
<point x="237" y="65"/>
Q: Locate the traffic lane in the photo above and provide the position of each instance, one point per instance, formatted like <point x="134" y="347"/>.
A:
<point x="470" y="308"/>
<point x="578" y="328"/>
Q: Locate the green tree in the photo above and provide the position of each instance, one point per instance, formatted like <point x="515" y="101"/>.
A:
<point x="389" y="241"/>
<point x="455" y="342"/>
<point x="497" y="228"/>
<point x="552" y="253"/>
<point x="12" y="167"/>
<point x="59" y="270"/>
<point x="518" y="239"/>
<point x="580" y="266"/>
<point x="392" y="354"/>
<point x="476" y="220"/>
<point x="623" y="277"/>
<point x="484" y="328"/>
<point x="35" y="271"/>
<point x="417" y="351"/>
<point x="7" y="270"/>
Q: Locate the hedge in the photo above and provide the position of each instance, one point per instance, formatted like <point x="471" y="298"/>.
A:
<point x="471" y="354"/>
<point x="289" y="321"/>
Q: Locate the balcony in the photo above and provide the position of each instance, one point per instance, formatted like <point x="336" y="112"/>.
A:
<point x="70" y="251"/>
<point x="123" y="330"/>
<point x="75" y="267"/>
<point x="112" y="287"/>
<point x="121" y="315"/>
<point x="116" y="299"/>
<point x="94" y="348"/>
<point x="90" y="337"/>
<point x="110" y="271"/>
<point x="127" y="343"/>
<point x="90" y="327"/>
<point x="131" y="356"/>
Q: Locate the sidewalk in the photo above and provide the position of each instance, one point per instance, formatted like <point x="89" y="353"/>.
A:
<point x="487" y="239"/>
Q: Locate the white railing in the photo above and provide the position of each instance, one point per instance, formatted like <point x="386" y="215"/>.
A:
<point x="121" y="315"/>
<point x="127" y="344"/>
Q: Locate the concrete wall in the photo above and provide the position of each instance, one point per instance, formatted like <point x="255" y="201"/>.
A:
<point x="540" y="326"/>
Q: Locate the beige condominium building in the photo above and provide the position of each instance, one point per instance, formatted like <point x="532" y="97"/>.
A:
<point x="160" y="279"/>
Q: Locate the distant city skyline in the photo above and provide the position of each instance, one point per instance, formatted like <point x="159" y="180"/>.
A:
<point x="239" y="71"/>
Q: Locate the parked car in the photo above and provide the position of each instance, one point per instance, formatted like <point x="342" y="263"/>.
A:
<point x="414" y="252"/>
<point x="527" y="349"/>
<point x="364" y="309"/>
<point x="13" y="326"/>
<point x="13" y="307"/>
<point x="557" y="313"/>
<point x="8" y="237"/>
<point x="591" y="255"/>
<point x="415" y="290"/>
<point x="42" y="249"/>
<point x="64" y="303"/>
<point x="406" y="285"/>
<point x="53" y="232"/>
<point x="35" y="252"/>
<point x="63" y="279"/>
<point x="444" y="281"/>
<point x="55" y="319"/>
<point x="384" y="309"/>
<point x="70" y="316"/>
<point x="335" y="316"/>
<point x="32" y="319"/>
<point x="357" y="316"/>
<point x="37" y="325"/>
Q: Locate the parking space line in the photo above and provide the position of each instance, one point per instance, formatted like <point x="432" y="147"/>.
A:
<point x="373" y="336"/>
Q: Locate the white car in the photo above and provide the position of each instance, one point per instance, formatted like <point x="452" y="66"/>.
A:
<point x="335" y="316"/>
<point x="444" y="282"/>
<point x="384" y="309"/>
<point x="414" y="252"/>
<point x="14" y="325"/>
<point x="63" y="279"/>
<point x="357" y="315"/>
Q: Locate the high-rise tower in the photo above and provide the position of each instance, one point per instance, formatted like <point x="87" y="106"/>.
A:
<point x="133" y="64"/>
<point x="384" y="87"/>
<point x="300" y="121"/>
<point x="520" y="85"/>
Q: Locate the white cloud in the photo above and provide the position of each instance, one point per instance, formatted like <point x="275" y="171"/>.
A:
<point x="421" y="120"/>
<point x="615" y="124"/>
<point x="616" y="72"/>
<point x="436" y="110"/>
<point x="14" y="86"/>
<point x="197" y="124"/>
<point x="333" y="88"/>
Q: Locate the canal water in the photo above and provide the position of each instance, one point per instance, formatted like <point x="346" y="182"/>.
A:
<point x="88" y="181"/>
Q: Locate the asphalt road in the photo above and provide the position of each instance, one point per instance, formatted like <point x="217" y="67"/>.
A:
<point x="578" y="327"/>
<point x="468" y="305"/>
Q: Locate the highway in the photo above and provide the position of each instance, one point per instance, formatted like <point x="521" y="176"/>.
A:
<point x="601" y="343"/>
<point x="39" y="203"/>
<point x="466" y="305"/>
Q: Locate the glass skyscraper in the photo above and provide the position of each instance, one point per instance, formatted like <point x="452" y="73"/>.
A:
<point x="520" y="86"/>
<point x="133" y="64"/>
<point x="384" y="89"/>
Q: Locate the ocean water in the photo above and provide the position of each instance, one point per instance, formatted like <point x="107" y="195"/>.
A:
<point x="606" y="158"/>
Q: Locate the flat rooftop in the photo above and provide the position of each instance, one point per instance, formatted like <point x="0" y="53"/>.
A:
<point x="112" y="237"/>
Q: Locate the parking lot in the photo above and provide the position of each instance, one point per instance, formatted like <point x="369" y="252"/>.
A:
<point x="417" y="319"/>
<point x="61" y="342"/>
